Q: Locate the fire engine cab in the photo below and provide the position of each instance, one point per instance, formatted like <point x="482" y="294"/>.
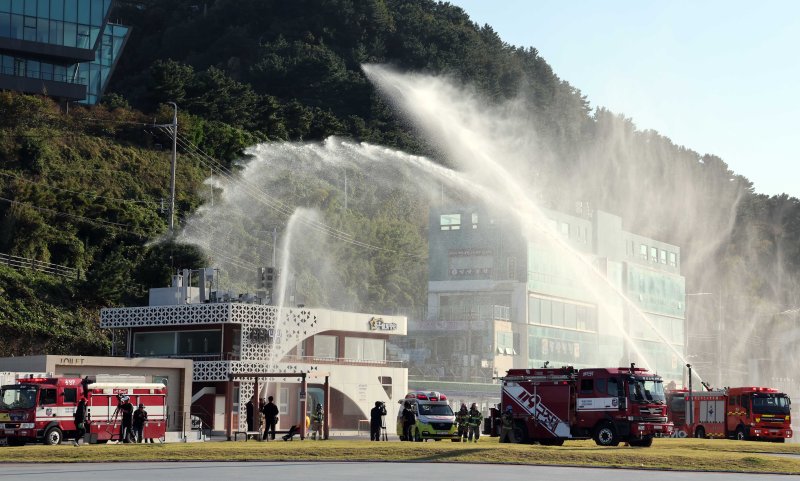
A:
<point x="743" y="413"/>
<point x="551" y="405"/>
<point x="41" y="409"/>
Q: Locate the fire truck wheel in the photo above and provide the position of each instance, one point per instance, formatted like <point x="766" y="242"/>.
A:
<point x="700" y="432"/>
<point x="53" y="436"/>
<point x="740" y="434"/>
<point x="606" y="435"/>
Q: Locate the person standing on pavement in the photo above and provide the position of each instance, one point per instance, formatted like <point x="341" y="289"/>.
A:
<point x="462" y="420"/>
<point x="474" y="423"/>
<point x="409" y="421"/>
<point x="139" y="420"/>
<point x="507" y="426"/>
<point x="125" y="409"/>
<point x="376" y="415"/>
<point x="80" y="421"/>
<point x="317" y="422"/>
<point x="250" y="412"/>
<point x="270" y="411"/>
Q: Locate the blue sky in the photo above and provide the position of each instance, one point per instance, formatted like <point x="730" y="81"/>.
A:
<point x="720" y="77"/>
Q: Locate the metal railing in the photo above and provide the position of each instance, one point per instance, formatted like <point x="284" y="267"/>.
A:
<point x="17" y="262"/>
<point x="43" y="75"/>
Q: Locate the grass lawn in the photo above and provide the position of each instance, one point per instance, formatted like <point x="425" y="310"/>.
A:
<point x="665" y="454"/>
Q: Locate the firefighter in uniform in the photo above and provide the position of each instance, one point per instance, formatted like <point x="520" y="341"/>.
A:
<point x="316" y="423"/>
<point x="409" y="421"/>
<point x="462" y="419"/>
<point x="474" y="422"/>
<point x="125" y="409"/>
<point x="507" y="426"/>
<point x="80" y="421"/>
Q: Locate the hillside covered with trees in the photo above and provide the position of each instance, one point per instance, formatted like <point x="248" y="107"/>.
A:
<point x="84" y="189"/>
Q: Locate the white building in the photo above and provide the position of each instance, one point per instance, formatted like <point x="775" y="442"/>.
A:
<point x="341" y="355"/>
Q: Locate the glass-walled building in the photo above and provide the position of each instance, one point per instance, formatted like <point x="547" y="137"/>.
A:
<point x="578" y="291"/>
<point x="63" y="48"/>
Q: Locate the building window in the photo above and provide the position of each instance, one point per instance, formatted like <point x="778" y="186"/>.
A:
<point x="326" y="347"/>
<point x="643" y="251"/>
<point x="474" y="220"/>
<point x="154" y="344"/>
<point x="570" y="316"/>
<point x="547" y="312"/>
<point x="30" y="29"/>
<point x="363" y="349"/>
<point x="535" y="310"/>
<point x="505" y="343"/>
<point x="512" y="267"/>
<point x="654" y="254"/>
<point x="580" y="317"/>
<point x="663" y="256"/>
<point x="386" y="382"/>
<point x="673" y="259"/>
<point x="450" y="221"/>
<point x="283" y="400"/>
<point x="199" y="342"/>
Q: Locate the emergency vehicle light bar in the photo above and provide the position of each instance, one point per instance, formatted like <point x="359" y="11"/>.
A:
<point x="430" y="396"/>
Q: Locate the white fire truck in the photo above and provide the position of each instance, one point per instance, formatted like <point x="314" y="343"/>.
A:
<point x="41" y="409"/>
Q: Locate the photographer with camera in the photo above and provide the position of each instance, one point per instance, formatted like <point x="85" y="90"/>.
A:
<point x="376" y="420"/>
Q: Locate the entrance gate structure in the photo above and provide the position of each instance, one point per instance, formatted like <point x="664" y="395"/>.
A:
<point x="242" y="378"/>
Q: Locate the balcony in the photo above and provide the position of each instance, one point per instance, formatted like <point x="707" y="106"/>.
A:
<point x="40" y="82"/>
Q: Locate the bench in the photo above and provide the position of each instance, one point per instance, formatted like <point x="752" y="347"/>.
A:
<point x="246" y="434"/>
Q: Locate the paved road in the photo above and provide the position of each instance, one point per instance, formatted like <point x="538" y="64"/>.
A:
<point x="301" y="471"/>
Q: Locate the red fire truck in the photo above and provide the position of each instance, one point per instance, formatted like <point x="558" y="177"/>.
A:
<point x="737" y="412"/>
<point x="41" y="409"/>
<point x="550" y="405"/>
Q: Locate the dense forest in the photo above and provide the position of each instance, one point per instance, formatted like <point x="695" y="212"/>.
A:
<point x="85" y="189"/>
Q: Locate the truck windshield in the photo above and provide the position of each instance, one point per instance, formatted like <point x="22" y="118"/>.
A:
<point x="770" y="404"/>
<point x="435" y="410"/>
<point x="646" y="390"/>
<point x="18" y="397"/>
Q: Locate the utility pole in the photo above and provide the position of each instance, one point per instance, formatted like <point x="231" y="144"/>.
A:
<point x="174" y="164"/>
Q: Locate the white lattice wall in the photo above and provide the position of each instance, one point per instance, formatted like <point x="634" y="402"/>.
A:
<point x="293" y="326"/>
